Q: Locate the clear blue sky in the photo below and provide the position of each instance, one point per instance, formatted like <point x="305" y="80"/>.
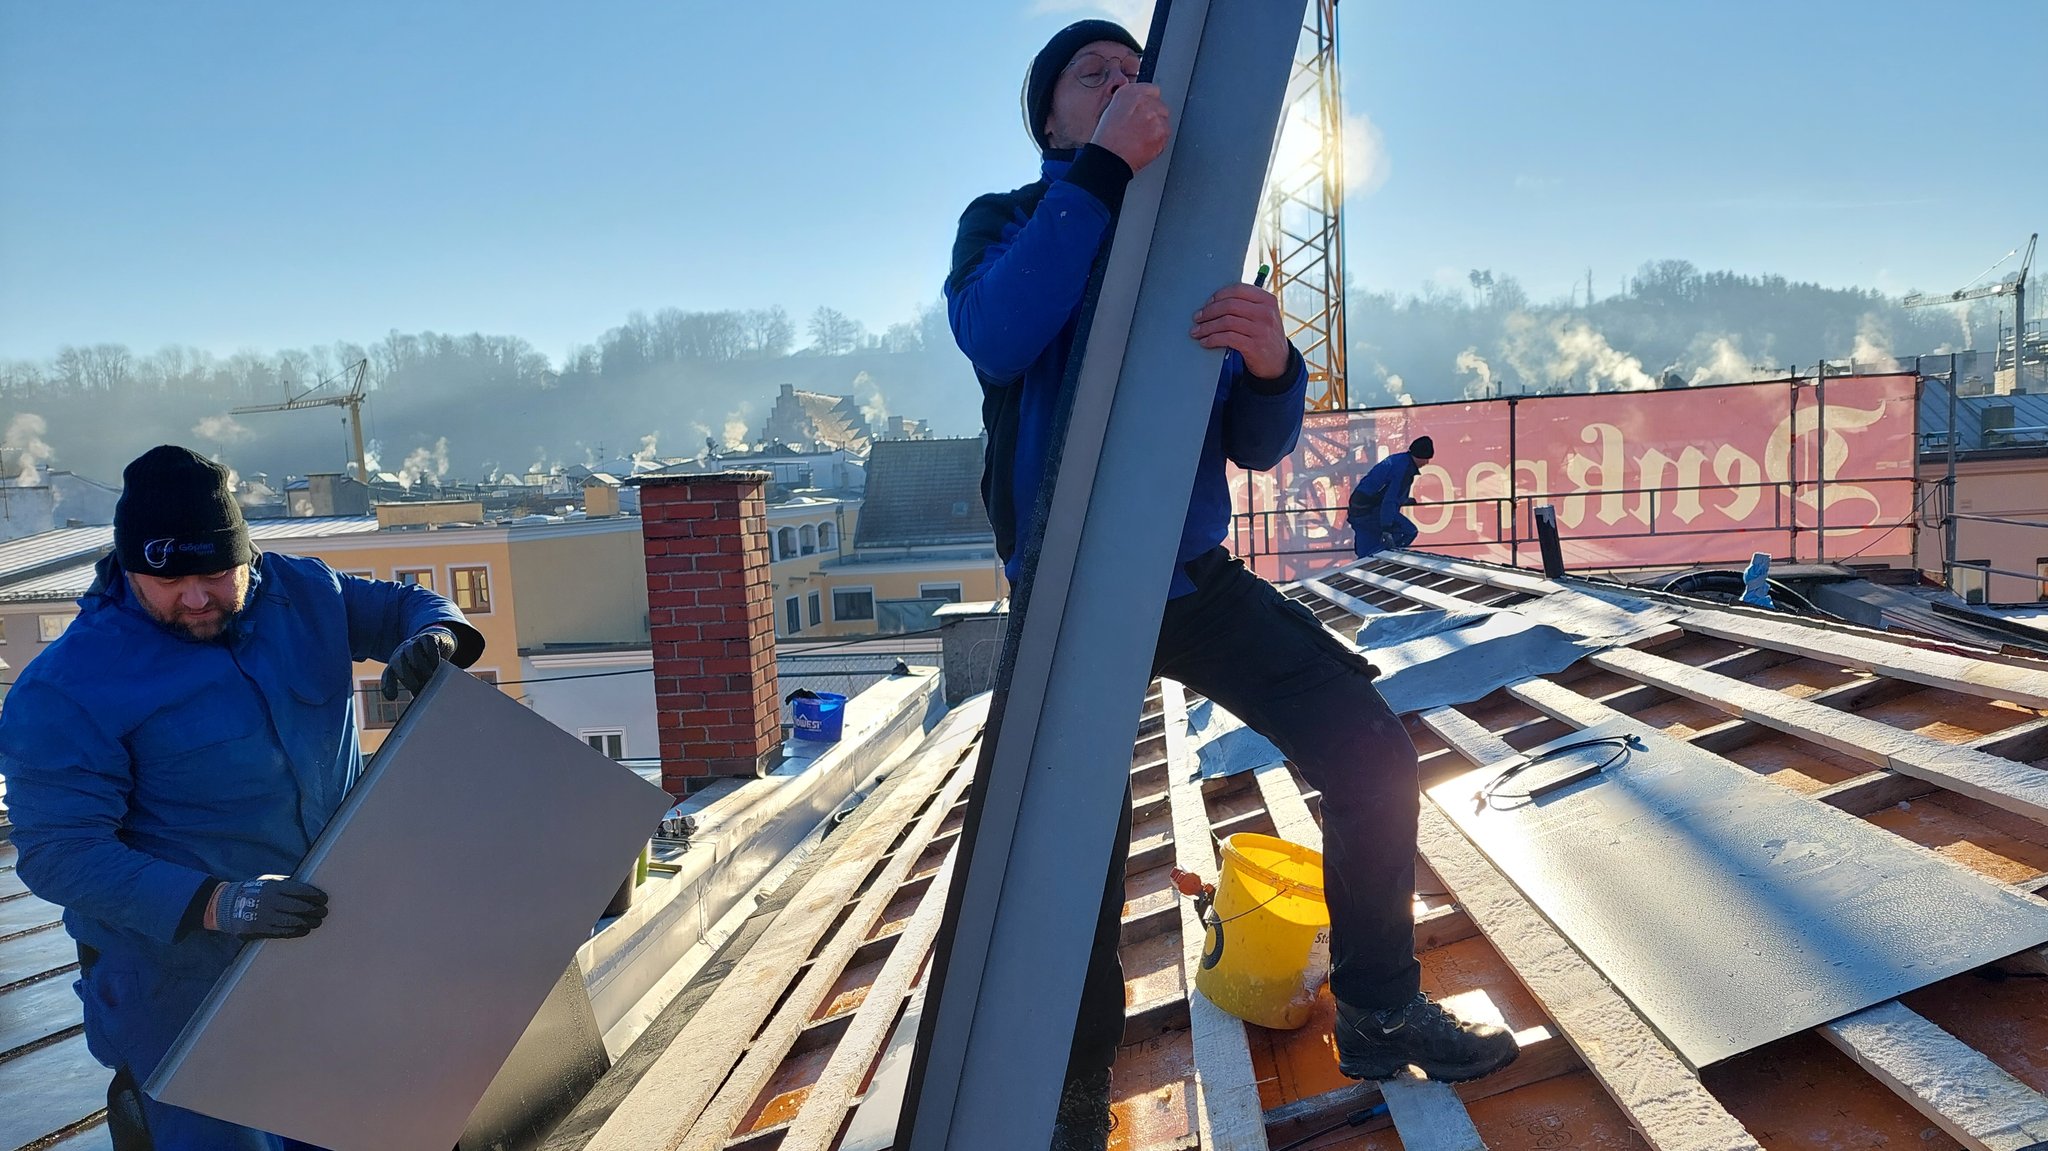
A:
<point x="245" y="174"/>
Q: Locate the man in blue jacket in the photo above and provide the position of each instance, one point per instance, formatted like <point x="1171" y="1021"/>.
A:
<point x="171" y="759"/>
<point x="1021" y="264"/>
<point x="1375" y="505"/>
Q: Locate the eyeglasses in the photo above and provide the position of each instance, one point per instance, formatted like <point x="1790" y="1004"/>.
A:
<point x="1092" y="69"/>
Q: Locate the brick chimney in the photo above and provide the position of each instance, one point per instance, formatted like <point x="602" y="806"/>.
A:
<point x="711" y="616"/>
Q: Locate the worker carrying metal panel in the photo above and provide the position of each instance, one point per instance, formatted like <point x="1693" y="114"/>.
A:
<point x="171" y="759"/>
<point x="1021" y="268"/>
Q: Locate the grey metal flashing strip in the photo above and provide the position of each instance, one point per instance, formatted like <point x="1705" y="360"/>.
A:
<point x="999" y="1018"/>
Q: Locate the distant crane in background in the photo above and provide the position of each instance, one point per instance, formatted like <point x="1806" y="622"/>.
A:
<point x="1302" y="234"/>
<point x="352" y="399"/>
<point x="2014" y="285"/>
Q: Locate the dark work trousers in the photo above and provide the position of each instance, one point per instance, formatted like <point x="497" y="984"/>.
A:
<point x="1268" y="661"/>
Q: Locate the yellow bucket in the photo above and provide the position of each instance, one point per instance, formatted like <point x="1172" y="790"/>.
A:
<point x="1267" y="951"/>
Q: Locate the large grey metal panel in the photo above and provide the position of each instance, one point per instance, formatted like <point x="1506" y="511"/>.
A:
<point x="383" y="1028"/>
<point x="1730" y="911"/>
<point x="1008" y="979"/>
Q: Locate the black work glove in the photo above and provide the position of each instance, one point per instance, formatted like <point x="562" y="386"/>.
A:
<point x="414" y="661"/>
<point x="272" y="907"/>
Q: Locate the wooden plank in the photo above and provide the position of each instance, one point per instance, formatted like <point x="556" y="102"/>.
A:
<point x="1466" y="737"/>
<point x="677" y="1087"/>
<point x="2024" y="741"/>
<point x="1507" y="578"/>
<point x="1427" y="1114"/>
<point x="1965" y="1094"/>
<point x="1976" y="677"/>
<point x="1999" y="782"/>
<point x="722" y="1116"/>
<point x="1728" y="736"/>
<point x="1874" y="791"/>
<point x="1442" y="926"/>
<point x="1663" y="1100"/>
<point x="1543" y="1056"/>
<point x="823" y="1113"/>
<point x="1227" y="1109"/>
<point x="1859" y="694"/>
<point x="1749" y="661"/>
<point x="1416" y="593"/>
<point x="1345" y="600"/>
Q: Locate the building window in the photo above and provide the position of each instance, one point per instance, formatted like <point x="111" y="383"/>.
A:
<point x="417" y="577"/>
<point x="472" y="588"/>
<point x="950" y="592"/>
<point x="828" y="537"/>
<point x="2041" y="571"/>
<point x="380" y="713"/>
<point x="612" y="744"/>
<point x="49" y="627"/>
<point x="792" y="616"/>
<point x="807" y="539"/>
<point x="785" y="543"/>
<point x="853" y="603"/>
<point x="816" y="612"/>
<point x="1971" y="579"/>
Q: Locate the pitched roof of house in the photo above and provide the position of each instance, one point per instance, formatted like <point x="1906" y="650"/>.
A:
<point x="923" y="492"/>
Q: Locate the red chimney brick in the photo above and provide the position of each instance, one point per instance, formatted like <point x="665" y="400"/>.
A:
<point x="712" y="621"/>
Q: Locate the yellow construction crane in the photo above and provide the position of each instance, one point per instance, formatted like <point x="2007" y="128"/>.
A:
<point x="1302" y="234"/>
<point x="352" y="399"/>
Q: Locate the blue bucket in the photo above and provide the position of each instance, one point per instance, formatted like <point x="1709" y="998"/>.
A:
<point x="820" y="719"/>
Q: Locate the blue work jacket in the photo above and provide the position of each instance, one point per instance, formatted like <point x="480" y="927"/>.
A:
<point x="142" y="765"/>
<point x="1377" y="500"/>
<point x="1021" y="263"/>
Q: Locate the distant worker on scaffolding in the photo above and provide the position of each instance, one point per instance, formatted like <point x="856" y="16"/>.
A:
<point x="1376" y="503"/>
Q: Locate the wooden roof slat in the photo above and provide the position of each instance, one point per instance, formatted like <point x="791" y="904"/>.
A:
<point x="1227" y="1109"/>
<point x="676" y="1089"/>
<point x="1873" y="791"/>
<point x="1995" y="781"/>
<point x="1945" y="1079"/>
<point x="1662" y="1098"/>
<point x="1544" y="1056"/>
<point x="2023" y="741"/>
<point x="1427" y="597"/>
<point x="823" y="1113"/>
<point x="726" y="1110"/>
<point x="1508" y="578"/>
<point x="1976" y="677"/>
<point x="1428" y="1115"/>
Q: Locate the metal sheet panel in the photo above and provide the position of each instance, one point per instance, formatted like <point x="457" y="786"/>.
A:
<point x="1008" y="972"/>
<point x="1730" y="911"/>
<point x="384" y="1027"/>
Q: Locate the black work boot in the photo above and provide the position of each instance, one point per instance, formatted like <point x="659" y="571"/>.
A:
<point x="1382" y="1044"/>
<point x="1084" y="1120"/>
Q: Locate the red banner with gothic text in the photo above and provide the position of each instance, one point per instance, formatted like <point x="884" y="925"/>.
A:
<point x="1802" y="470"/>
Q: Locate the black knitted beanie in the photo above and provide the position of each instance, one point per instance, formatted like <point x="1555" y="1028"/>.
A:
<point x="177" y="516"/>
